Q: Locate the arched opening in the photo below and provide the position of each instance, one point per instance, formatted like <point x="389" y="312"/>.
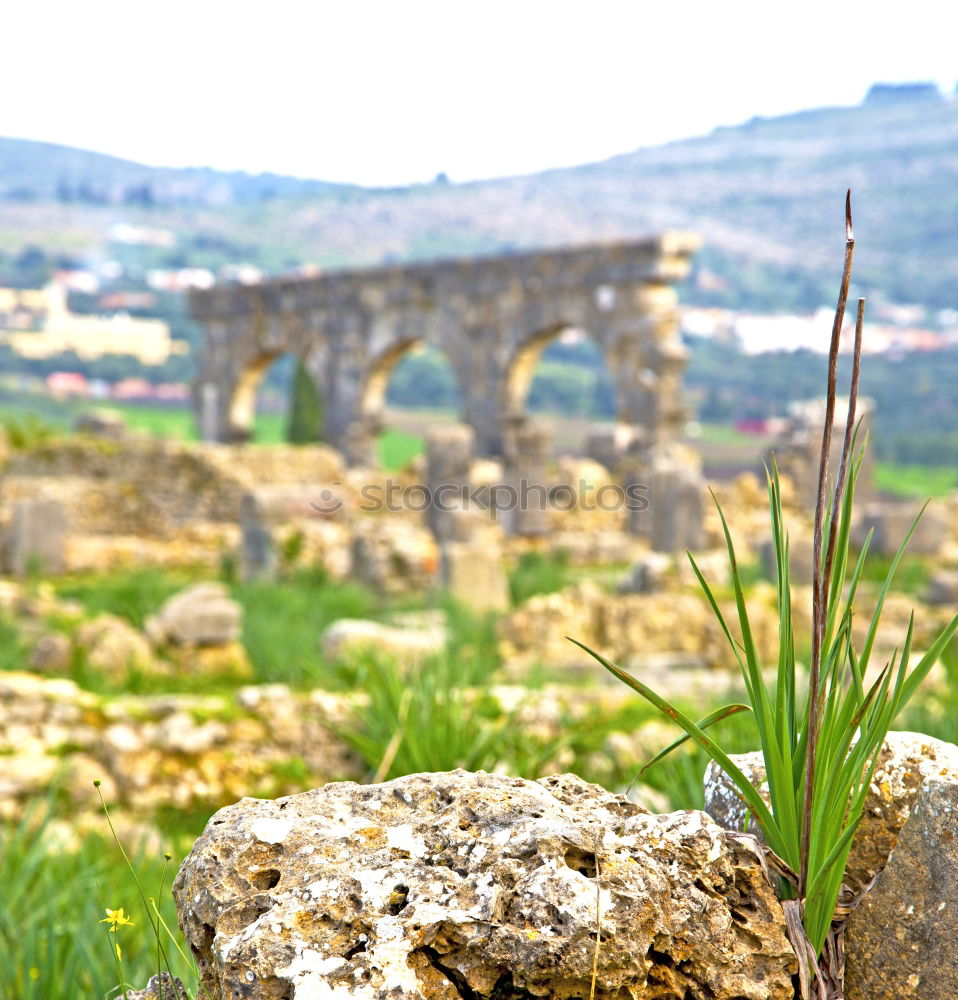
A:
<point x="276" y="400"/>
<point x="562" y="375"/>
<point x="410" y="387"/>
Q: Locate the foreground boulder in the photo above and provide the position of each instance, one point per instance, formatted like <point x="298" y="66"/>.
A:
<point x="452" y="885"/>
<point x="905" y="761"/>
<point x="900" y="942"/>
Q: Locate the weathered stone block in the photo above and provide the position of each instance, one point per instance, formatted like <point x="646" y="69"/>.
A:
<point x="943" y="587"/>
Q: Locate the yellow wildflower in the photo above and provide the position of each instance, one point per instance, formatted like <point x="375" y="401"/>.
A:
<point x="116" y="918"/>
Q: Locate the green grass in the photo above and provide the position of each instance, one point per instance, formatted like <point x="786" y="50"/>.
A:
<point x="911" y="575"/>
<point x="917" y="481"/>
<point x="538" y="573"/>
<point x="133" y="594"/>
<point x="283" y="621"/>
<point x="397" y="448"/>
<point x="179" y="423"/>
<point x="51" y="940"/>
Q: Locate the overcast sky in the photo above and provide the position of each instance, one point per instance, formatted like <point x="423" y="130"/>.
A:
<point x="394" y="91"/>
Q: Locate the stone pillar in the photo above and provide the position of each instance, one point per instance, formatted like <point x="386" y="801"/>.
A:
<point x="449" y="454"/>
<point x="37" y="538"/>
<point x="257" y="547"/>
<point x="674" y="517"/>
<point x="609" y="444"/>
<point x="798" y="449"/>
<point x="209" y="415"/>
<point x="528" y="452"/>
<point x="360" y="441"/>
<point x="473" y="572"/>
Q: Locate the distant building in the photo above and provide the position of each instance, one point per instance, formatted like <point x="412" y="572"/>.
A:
<point x="38" y="325"/>
<point x="134" y="235"/>
<point x="67" y="384"/>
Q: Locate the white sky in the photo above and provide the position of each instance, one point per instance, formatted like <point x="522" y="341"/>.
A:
<point x="393" y="91"/>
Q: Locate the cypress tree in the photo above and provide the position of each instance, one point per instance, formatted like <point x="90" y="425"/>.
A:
<point x="305" y="421"/>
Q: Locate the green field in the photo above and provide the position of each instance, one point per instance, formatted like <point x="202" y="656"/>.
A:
<point x="920" y="481"/>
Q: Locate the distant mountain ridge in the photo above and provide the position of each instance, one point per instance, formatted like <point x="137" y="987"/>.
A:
<point x="36" y="171"/>
<point x="766" y="195"/>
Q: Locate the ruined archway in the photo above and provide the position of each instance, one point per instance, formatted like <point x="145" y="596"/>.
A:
<point x="242" y="402"/>
<point x="409" y="387"/>
<point x="561" y="374"/>
<point x="354" y="326"/>
<point x="261" y="408"/>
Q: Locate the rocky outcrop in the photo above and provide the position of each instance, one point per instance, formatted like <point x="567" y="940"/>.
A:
<point x="455" y="884"/>
<point x="905" y="761"/>
<point x="901" y="940"/>
<point x="202" y="751"/>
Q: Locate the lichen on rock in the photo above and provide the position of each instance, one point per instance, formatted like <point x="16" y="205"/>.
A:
<point x="461" y="885"/>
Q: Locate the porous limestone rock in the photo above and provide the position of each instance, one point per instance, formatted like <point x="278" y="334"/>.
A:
<point x="900" y="943"/>
<point x="905" y="761"/>
<point x="455" y="884"/>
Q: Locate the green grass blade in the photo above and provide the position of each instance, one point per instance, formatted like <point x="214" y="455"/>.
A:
<point x="746" y="790"/>
<point x="717" y="716"/>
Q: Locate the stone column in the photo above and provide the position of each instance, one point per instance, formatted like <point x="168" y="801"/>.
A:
<point x="258" y="546"/>
<point x="528" y="452"/>
<point x="674" y="517"/>
<point x="609" y="444"/>
<point x="450" y="450"/>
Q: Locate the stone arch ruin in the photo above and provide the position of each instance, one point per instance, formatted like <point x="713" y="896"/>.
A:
<point x="490" y="316"/>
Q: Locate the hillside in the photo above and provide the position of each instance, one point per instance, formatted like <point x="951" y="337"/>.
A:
<point x="766" y="195"/>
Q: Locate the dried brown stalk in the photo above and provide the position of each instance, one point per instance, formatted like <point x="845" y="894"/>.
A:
<point x="819" y="583"/>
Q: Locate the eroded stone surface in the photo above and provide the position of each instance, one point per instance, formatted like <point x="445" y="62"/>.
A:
<point x="900" y="943"/>
<point x="475" y="885"/>
<point x="905" y="761"/>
